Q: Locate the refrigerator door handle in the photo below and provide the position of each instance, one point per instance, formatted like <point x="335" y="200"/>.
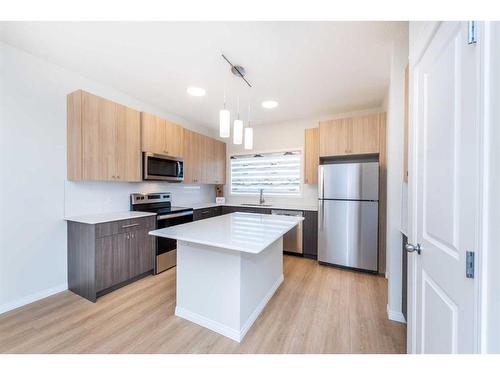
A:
<point x="322" y="215"/>
<point x="321" y="182"/>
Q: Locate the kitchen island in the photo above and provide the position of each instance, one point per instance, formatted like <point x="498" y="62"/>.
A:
<point x="228" y="268"/>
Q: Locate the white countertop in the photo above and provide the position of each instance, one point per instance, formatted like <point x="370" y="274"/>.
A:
<point x="283" y="206"/>
<point x="114" y="216"/>
<point x="239" y="231"/>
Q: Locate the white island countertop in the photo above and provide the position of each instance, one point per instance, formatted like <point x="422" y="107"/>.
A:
<point x="244" y="232"/>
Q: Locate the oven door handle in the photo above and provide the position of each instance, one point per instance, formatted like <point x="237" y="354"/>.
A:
<point x="170" y="216"/>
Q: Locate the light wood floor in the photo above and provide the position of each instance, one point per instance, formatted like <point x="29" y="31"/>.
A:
<point x="316" y="310"/>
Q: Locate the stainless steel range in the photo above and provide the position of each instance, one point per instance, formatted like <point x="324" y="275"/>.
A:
<point x="166" y="216"/>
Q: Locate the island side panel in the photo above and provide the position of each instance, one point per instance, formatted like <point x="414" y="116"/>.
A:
<point x="208" y="287"/>
<point x="261" y="276"/>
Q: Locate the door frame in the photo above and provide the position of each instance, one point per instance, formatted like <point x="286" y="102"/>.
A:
<point x="420" y="44"/>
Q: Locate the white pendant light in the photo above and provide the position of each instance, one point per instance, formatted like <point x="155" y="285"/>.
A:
<point x="224" y="119"/>
<point x="248" y="138"/>
<point x="224" y="123"/>
<point x="238" y="127"/>
<point x="238" y="132"/>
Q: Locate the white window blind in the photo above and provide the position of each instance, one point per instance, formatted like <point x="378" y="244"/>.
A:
<point x="278" y="173"/>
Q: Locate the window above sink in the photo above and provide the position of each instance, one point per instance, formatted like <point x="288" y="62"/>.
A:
<point x="277" y="173"/>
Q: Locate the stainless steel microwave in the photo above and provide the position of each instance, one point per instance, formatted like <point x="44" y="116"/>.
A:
<point x="162" y="167"/>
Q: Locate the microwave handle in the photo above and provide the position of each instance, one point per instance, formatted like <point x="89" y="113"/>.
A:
<point x="177" y="168"/>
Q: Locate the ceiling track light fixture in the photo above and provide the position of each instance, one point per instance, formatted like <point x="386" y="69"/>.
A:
<point x="237" y="70"/>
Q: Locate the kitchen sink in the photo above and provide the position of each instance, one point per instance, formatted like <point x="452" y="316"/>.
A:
<point x="256" y="204"/>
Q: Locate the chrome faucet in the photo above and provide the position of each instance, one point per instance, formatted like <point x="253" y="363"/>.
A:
<point x="261" y="197"/>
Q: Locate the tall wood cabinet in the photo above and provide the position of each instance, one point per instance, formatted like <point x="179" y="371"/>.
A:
<point x="359" y="135"/>
<point x="103" y="139"/>
<point x="311" y="155"/>
<point x="161" y="136"/>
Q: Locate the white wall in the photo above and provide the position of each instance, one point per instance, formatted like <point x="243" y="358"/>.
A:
<point x="34" y="193"/>
<point x="490" y="278"/>
<point x="278" y="137"/>
<point x="396" y="189"/>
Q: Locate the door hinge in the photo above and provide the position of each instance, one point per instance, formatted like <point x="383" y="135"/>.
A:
<point x="471" y="35"/>
<point x="469" y="264"/>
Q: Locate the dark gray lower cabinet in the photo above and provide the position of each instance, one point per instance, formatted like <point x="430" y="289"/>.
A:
<point x="310" y="226"/>
<point x="310" y="234"/>
<point x="141" y="258"/>
<point x="254" y="210"/>
<point x="205" y="213"/>
<point x="103" y="257"/>
<point x="112" y="255"/>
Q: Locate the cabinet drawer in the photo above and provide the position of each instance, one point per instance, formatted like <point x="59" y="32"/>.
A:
<point x="123" y="226"/>
<point x="202" y="213"/>
<point x="215" y="211"/>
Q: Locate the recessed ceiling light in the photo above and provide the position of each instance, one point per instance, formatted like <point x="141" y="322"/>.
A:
<point x="196" y="91"/>
<point x="269" y="104"/>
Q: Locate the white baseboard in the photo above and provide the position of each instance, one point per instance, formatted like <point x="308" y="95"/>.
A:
<point x="32" y="298"/>
<point x="395" y="315"/>
<point x="255" y="314"/>
<point x="223" y="329"/>
<point x="212" y="325"/>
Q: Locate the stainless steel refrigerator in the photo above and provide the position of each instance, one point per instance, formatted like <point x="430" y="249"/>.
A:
<point x="348" y="215"/>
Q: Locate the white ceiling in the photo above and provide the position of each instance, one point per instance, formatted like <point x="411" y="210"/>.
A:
<point x="310" y="68"/>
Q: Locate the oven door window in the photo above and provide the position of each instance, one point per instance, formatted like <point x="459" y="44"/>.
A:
<point x="166" y="244"/>
<point x="163" y="168"/>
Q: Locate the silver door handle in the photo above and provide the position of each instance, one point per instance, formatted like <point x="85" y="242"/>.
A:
<point x="412" y="248"/>
<point x="130" y="225"/>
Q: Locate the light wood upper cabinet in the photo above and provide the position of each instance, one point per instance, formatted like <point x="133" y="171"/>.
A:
<point x="220" y="162"/>
<point x="365" y="134"/>
<point x="204" y="160"/>
<point x="311" y="155"/>
<point x="207" y="161"/>
<point x="353" y="135"/>
<point x="214" y="162"/>
<point x="161" y="136"/>
<point x="103" y="139"/>
<point x="193" y="146"/>
<point x="335" y="137"/>
<point x="128" y="142"/>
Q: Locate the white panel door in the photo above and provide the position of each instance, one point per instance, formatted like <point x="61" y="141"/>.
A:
<point x="445" y="190"/>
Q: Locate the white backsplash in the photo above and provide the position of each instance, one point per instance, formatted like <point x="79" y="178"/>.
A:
<point x="84" y="198"/>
